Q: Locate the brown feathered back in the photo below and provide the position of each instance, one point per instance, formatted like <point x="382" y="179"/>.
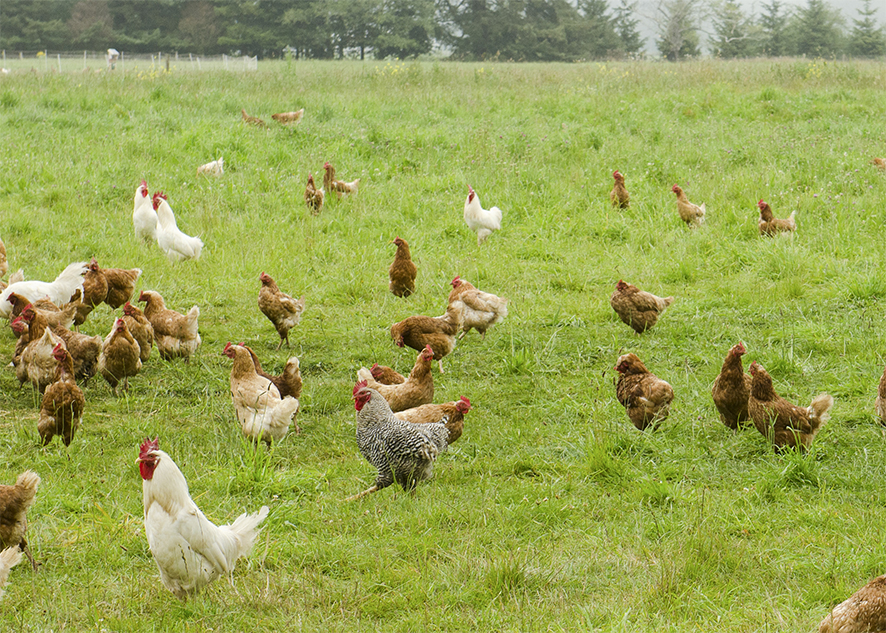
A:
<point x="402" y="271"/>
<point x="732" y="388"/>
<point x="644" y="395"/>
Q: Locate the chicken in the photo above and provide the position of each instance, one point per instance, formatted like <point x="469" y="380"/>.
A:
<point x="481" y="221"/>
<point x="732" y="388"/>
<point x="214" y="168"/>
<point x="119" y="358"/>
<point x="287" y="118"/>
<point x="438" y="332"/>
<point x="340" y="187"/>
<point x="646" y="397"/>
<point x="15" y="501"/>
<point x="63" y="402"/>
<point x="401" y="451"/>
<point x="482" y="309"/>
<point x="9" y="558"/>
<point x="637" y="308"/>
<point x="189" y="549"/>
<point x="783" y="423"/>
<point x="262" y="413"/>
<point x="176" y="334"/>
<point x="283" y="311"/>
<point x="95" y="290"/>
<point x="14" y="278"/>
<point x="417" y="390"/>
<point x="144" y="218"/>
<point x="313" y="196"/>
<point x="880" y="163"/>
<point x="84" y="350"/>
<point x="691" y="214"/>
<point x="402" y="271"/>
<point x="58" y="291"/>
<point x="386" y="376"/>
<point x="4" y="264"/>
<point x="177" y="245"/>
<point x="770" y="225"/>
<point x="862" y="612"/>
<point x="449" y="414"/>
<point x="20" y="328"/>
<point x="38" y="365"/>
<point x="140" y="328"/>
<point x="55" y="316"/>
<point x="619" y="195"/>
<point x="121" y="285"/>
<point x="252" y="120"/>
<point x="288" y="383"/>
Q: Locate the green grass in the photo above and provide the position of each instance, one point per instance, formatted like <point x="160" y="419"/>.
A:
<point x="551" y="512"/>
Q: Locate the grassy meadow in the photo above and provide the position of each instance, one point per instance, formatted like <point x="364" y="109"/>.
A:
<point x="551" y="513"/>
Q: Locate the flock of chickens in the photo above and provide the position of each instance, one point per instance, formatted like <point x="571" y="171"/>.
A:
<point x="399" y="429"/>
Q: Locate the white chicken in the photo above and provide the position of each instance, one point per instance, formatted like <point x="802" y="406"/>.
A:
<point x="9" y="558"/>
<point x="481" y="221"/>
<point x="177" y="246"/>
<point x="59" y="291"/>
<point x="262" y="413"/>
<point x="214" y="168"/>
<point x="144" y="218"/>
<point x="189" y="549"/>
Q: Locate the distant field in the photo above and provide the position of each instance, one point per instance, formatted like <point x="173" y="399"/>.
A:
<point x="551" y="513"/>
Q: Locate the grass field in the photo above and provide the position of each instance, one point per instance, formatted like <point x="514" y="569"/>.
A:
<point x="551" y="513"/>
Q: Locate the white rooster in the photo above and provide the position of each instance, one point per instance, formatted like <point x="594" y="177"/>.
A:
<point x="59" y="291"/>
<point x="144" y="218"/>
<point x="189" y="549"/>
<point x="9" y="558"/>
<point x="177" y="246"/>
<point x="481" y="221"/>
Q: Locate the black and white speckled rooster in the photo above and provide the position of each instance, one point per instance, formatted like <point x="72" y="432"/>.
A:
<point x="401" y="451"/>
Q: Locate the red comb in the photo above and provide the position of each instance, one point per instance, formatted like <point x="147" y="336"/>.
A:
<point x="360" y="385"/>
<point x="149" y="445"/>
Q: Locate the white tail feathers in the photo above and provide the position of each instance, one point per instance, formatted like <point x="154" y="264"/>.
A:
<point x="9" y="558"/>
<point x="819" y="410"/>
<point x="29" y="480"/>
<point x="245" y="527"/>
<point x="792" y="221"/>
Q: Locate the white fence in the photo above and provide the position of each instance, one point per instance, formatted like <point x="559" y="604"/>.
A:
<point x="47" y="61"/>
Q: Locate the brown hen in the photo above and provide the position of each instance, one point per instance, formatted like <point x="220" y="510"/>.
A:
<point x="732" y="388"/>
<point x="645" y="396"/>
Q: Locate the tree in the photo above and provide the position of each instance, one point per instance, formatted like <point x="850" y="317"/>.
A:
<point x="734" y="32"/>
<point x="867" y="39"/>
<point x="625" y="26"/>
<point x="601" y="38"/>
<point x="405" y="28"/>
<point x="676" y="24"/>
<point x="817" y="30"/>
<point x="773" y="24"/>
<point x="199" y="27"/>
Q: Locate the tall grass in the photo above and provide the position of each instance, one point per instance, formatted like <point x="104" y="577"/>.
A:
<point x="552" y="512"/>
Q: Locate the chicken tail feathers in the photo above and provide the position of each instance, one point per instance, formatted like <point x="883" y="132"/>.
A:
<point x="245" y="527"/>
<point x="28" y="480"/>
<point x="819" y="411"/>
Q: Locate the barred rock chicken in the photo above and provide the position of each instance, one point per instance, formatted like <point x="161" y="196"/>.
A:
<point x="178" y="246"/>
<point x="637" y="308"/>
<point x="619" y="195"/>
<point x="119" y="358"/>
<point x="84" y="350"/>
<point x="58" y="291"/>
<point x="288" y="383"/>
<point x="340" y="187"/>
<point x="144" y="218"/>
<point x="212" y="168"/>
<point x="781" y="422"/>
<point x="418" y="388"/>
<point x="283" y="311"/>
<point x="140" y="328"/>
<point x="402" y="271"/>
<point x="482" y="309"/>
<point x="693" y="215"/>
<point x="262" y="413"/>
<point x="862" y="612"/>
<point x="251" y="120"/>
<point x="880" y="163"/>
<point x="732" y="388"/>
<point x="9" y="558"/>
<point x="15" y="501"/>
<point x="386" y="375"/>
<point x="450" y="414"/>
<point x="438" y="332"/>
<point x="189" y="549"/>
<point x="313" y="196"/>
<point x="401" y="451"/>
<point x="646" y="397"/>
<point x="176" y="334"/>
<point x="288" y="118"/>
<point x="770" y="225"/>
<point x="63" y="402"/>
<point x="481" y="221"/>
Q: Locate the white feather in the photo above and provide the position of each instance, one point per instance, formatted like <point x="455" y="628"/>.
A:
<point x="177" y="245"/>
<point x="58" y="291"/>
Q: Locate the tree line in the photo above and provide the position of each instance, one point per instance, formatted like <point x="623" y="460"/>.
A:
<point x="518" y="30"/>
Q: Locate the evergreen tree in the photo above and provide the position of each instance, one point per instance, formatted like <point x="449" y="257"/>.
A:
<point x="817" y="30"/>
<point x="867" y="39"/>
<point x="678" y="34"/>
<point x="734" y="32"/>
<point x="405" y="28"/>
<point x="773" y="25"/>
<point x="626" y="27"/>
